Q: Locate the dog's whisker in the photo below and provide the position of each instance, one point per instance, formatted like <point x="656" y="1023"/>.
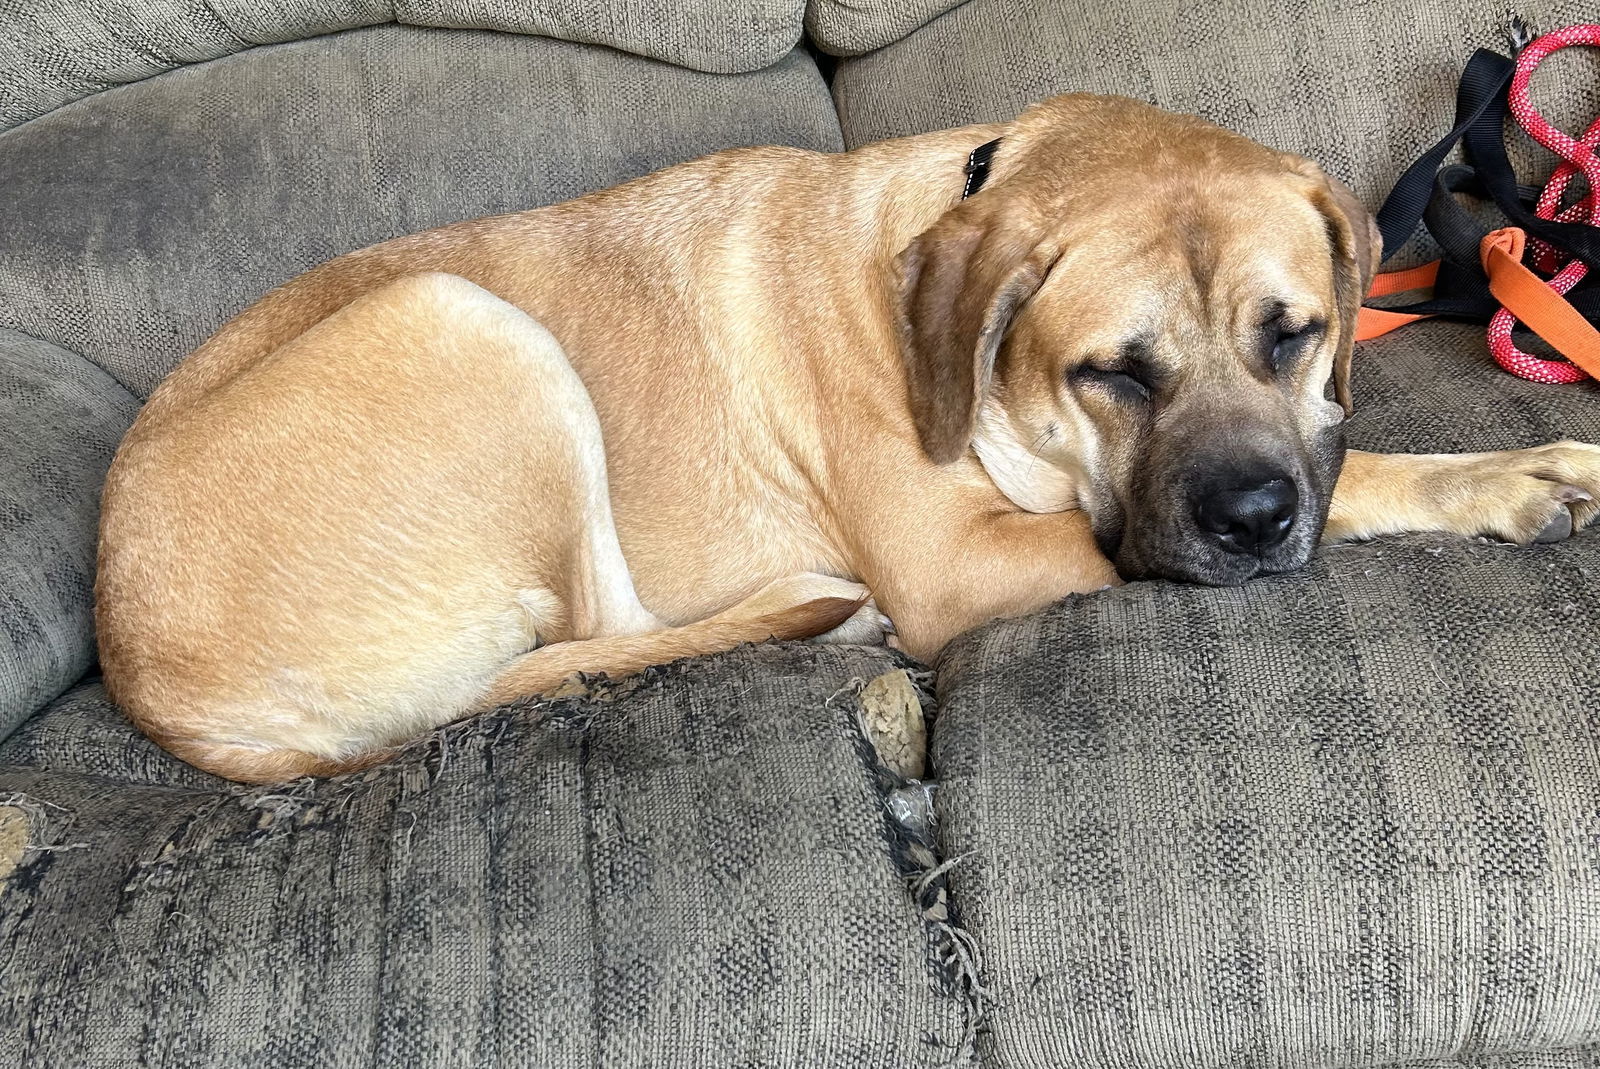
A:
<point x="1043" y="439"/>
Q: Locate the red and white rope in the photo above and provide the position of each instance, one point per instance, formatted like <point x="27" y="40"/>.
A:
<point x="1578" y="157"/>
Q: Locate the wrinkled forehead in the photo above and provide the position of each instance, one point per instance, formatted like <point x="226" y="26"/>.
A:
<point x="1215" y="250"/>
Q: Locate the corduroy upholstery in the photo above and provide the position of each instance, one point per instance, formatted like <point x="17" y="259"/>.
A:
<point x="137" y="220"/>
<point x="851" y="27"/>
<point x="693" y="867"/>
<point x="60" y="420"/>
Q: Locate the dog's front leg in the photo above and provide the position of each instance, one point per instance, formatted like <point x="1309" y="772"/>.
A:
<point x="1522" y="495"/>
<point x="995" y="564"/>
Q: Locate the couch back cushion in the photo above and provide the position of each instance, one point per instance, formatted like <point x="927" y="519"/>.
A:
<point x="851" y="27"/>
<point x="56" y="51"/>
<point x="135" y="221"/>
<point x="60" y="419"/>
<point x="1362" y="88"/>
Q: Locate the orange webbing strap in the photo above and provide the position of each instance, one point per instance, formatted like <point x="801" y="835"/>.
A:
<point x="1527" y="296"/>
<point x="1376" y="322"/>
<point x="1415" y="278"/>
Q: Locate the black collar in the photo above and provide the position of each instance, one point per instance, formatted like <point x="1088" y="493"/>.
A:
<point x="978" y="167"/>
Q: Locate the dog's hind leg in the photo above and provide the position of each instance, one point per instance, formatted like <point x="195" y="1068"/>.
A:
<point x="361" y="535"/>
<point x="600" y="625"/>
<point x="604" y="629"/>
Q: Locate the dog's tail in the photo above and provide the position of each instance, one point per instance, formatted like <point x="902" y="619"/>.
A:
<point x="799" y="607"/>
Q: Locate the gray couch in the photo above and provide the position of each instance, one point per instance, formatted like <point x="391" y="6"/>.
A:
<point x="1344" y="818"/>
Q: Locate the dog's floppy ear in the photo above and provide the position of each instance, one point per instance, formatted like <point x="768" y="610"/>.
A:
<point x="963" y="281"/>
<point x="1357" y="248"/>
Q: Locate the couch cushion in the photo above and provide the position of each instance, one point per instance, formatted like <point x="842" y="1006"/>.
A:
<point x="1362" y="88"/>
<point x="693" y="867"/>
<point x="136" y="221"/>
<point x="1575" y="1058"/>
<point x="1340" y="819"/>
<point x="82" y="731"/>
<point x="851" y="27"/>
<point x="60" y="419"/>
<point x="1346" y="817"/>
<point x="56" y="51"/>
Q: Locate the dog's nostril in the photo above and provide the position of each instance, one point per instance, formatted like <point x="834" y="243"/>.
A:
<point x="1250" y="519"/>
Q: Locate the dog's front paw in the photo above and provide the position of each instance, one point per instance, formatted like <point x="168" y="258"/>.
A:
<point x="1542" y="494"/>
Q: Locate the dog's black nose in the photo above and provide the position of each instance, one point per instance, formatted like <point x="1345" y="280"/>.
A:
<point x="1250" y="519"/>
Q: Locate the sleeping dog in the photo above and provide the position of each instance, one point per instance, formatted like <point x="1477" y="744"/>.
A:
<point x="733" y="400"/>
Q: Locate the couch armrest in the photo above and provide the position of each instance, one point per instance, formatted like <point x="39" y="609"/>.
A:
<point x="60" y="420"/>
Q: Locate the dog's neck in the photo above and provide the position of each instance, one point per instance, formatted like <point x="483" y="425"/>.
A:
<point x="907" y="191"/>
<point x="1016" y="465"/>
<point x="912" y="196"/>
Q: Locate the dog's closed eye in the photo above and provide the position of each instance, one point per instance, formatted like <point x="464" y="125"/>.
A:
<point x="1120" y="381"/>
<point x="1284" y="337"/>
<point x="1130" y="376"/>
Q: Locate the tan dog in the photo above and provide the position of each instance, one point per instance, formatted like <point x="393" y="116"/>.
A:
<point x="702" y="407"/>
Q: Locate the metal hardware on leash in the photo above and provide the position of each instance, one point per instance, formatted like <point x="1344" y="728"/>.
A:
<point x="1519" y="33"/>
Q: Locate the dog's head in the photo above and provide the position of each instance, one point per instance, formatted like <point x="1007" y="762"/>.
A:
<point x="1140" y="316"/>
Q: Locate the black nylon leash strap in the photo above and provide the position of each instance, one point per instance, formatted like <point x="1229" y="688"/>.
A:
<point x="1459" y="232"/>
<point x="1462" y="289"/>
<point x="1482" y="82"/>
<point x="1427" y="193"/>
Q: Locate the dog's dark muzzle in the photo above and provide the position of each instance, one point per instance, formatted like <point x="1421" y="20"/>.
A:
<point x="1222" y="522"/>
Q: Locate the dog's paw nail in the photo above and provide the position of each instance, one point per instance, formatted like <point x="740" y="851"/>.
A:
<point x="887" y="624"/>
<point x="1569" y="494"/>
<point x="1558" y="529"/>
